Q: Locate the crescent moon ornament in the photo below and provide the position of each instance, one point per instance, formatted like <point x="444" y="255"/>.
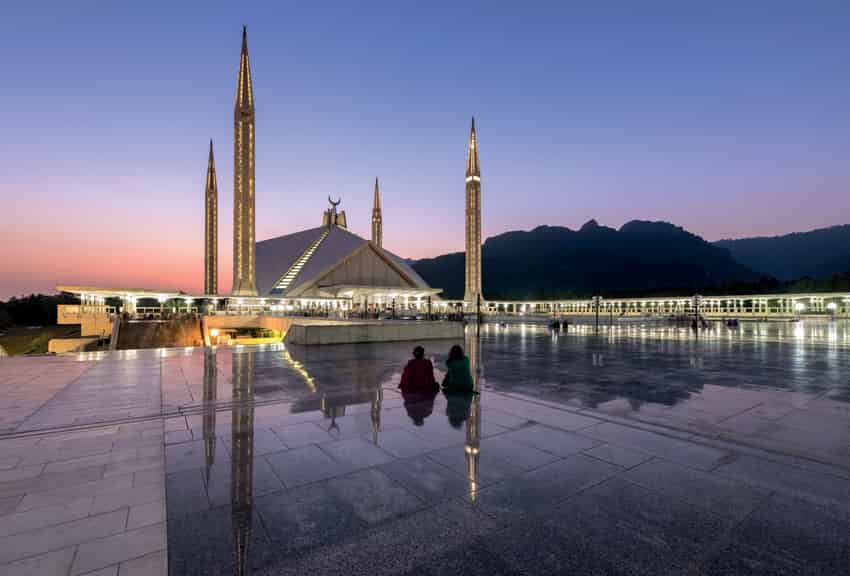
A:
<point x="334" y="204"/>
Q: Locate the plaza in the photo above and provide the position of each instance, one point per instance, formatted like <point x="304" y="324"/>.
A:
<point x="631" y="450"/>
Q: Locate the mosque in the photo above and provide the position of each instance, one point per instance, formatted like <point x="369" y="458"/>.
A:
<point x="326" y="266"/>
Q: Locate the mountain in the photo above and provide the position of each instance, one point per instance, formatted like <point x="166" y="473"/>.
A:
<point x="556" y="262"/>
<point x="818" y="253"/>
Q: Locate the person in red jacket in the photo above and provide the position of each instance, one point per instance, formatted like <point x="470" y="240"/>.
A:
<point x="418" y="375"/>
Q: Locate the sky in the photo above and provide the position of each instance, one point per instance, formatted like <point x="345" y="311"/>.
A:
<point x="730" y="119"/>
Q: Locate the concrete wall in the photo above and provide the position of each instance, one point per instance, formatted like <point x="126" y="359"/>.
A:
<point x="93" y="321"/>
<point x="63" y="345"/>
<point x="353" y="333"/>
<point x="154" y="334"/>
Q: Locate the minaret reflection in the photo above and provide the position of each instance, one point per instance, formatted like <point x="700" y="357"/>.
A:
<point x="377" y="400"/>
<point x="473" y="423"/>
<point x="209" y="397"/>
<point x="242" y="457"/>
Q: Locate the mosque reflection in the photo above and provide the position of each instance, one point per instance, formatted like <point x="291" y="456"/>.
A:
<point x="333" y="404"/>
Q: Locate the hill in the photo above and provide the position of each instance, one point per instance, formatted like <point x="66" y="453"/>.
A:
<point x="557" y="262"/>
<point x="817" y="254"/>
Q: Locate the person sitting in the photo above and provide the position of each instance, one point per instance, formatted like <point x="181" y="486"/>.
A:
<point x="418" y="375"/>
<point x="458" y="378"/>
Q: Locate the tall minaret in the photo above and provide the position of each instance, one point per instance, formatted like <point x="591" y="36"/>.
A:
<point x="244" y="283"/>
<point x="211" y="228"/>
<point x="473" y="222"/>
<point x="377" y="222"/>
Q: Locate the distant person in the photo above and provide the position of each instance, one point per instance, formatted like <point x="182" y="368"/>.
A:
<point x="419" y="405"/>
<point x="458" y="378"/>
<point x="418" y="375"/>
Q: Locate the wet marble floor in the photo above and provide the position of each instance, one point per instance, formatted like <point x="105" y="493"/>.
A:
<point x="640" y="449"/>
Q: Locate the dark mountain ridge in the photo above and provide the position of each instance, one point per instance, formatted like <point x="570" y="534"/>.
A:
<point x="817" y="254"/>
<point x="557" y="262"/>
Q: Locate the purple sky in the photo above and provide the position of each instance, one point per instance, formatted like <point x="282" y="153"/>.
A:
<point x="730" y="119"/>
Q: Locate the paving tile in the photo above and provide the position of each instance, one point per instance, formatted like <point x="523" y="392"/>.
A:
<point x="536" y="492"/>
<point x="263" y="477"/>
<point x="135" y="465"/>
<point x="489" y="467"/>
<point x="127" y="496"/>
<point x="9" y="503"/>
<point x="61" y="535"/>
<point x="104" y="486"/>
<point x="186" y="493"/>
<point x="41" y="517"/>
<point x="615" y="528"/>
<point x="470" y="560"/>
<point x="188" y="455"/>
<point x="210" y="541"/>
<point x="155" y="564"/>
<point x="617" y="455"/>
<point x="20" y="473"/>
<point x="306" y="518"/>
<point x="97" y="554"/>
<point x="108" y="571"/>
<point x="427" y="479"/>
<point x="298" y="435"/>
<point x="356" y="453"/>
<point x="785" y="536"/>
<point x="264" y="441"/>
<point x="373" y="496"/>
<point x="396" y="547"/>
<point x="504" y="419"/>
<point x="304" y="465"/>
<point x="674" y="449"/>
<point x="790" y="480"/>
<point x="722" y="496"/>
<point x="146" y="514"/>
<point x="48" y="482"/>
<point x="402" y="443"/>
<point x="92" y="461"/>
<point x="56" y="563"/>
<point x="551" y="440"/>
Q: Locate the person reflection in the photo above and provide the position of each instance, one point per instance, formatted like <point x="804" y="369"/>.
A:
<point x="242" y="463"/>
<point x="209" y="397"/>
<point x="419" y="405"/>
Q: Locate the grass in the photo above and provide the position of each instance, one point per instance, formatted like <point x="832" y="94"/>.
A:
<point x="33" y="339"/>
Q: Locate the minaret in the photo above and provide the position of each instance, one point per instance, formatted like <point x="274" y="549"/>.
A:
<point x="377" y="222"/>
<point x="244" y="283"/>
<point x="211" y="228"/>
<point x="473" y="222"/>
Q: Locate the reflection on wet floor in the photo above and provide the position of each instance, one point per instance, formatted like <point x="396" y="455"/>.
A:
<point x="308" y="449"/>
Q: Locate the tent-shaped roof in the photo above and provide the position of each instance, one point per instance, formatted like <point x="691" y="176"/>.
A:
<point x="289" y="265"/>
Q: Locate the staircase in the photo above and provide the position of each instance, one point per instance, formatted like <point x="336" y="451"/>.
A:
<point x="293" y="271"/>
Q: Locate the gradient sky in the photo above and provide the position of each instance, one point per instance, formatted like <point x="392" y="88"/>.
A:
<point x="728" y="118"/>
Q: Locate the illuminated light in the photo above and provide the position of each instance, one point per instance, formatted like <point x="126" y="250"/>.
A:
<point x="162" y="298"/>
<point x="214" y="332"/>
<point x="832" y="306"/>
<point x="799" y="306"/>
<point x="473" y="178"/>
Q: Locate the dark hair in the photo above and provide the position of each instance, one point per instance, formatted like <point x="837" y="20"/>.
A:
<point x="456" y="353"/>
<point x="419" y="352"/>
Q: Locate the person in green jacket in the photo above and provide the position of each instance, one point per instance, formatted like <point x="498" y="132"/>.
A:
<point x="458" y="378"/>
